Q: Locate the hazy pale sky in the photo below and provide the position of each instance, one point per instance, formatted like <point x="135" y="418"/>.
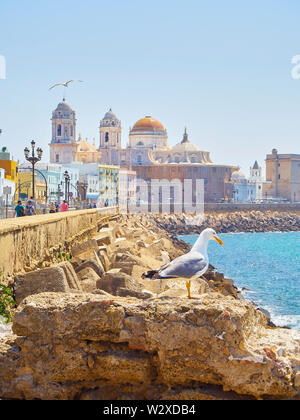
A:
<point x="221" y="68"/>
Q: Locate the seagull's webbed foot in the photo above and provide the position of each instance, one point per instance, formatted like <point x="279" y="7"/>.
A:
<point x="188" y="286"/>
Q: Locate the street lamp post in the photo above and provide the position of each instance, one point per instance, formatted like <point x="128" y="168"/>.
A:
<point x="85" y="188"/>
<point x="59" y="192"/>
<point x="33" y="159"/>
<point x="67" y="185"/>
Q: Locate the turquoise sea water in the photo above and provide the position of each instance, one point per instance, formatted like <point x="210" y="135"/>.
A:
<point x="268" y="264"/>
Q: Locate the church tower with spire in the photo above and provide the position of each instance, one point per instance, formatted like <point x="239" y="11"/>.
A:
<point x="257" y="178"/>
<point x="110" y="132"/>
<point x="255" y="172"/>
<point x="63" y="144"/>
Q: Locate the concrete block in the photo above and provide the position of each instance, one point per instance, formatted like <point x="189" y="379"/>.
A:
<point x="51" y="279"/>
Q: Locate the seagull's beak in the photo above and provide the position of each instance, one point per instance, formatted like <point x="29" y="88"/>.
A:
<point x="219" y="240"/>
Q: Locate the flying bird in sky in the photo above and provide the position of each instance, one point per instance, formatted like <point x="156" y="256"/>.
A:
<point x="65" y="84"/>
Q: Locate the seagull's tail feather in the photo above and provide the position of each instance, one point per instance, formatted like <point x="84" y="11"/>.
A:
<point x="151" y="275"/>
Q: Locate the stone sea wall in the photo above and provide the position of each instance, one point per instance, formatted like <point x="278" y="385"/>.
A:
<point x="93" y="328"/>
<point x="33" y="242"/>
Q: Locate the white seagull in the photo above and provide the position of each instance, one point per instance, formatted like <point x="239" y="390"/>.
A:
<point x="189" y="266"/>
<point x="65" y="84"/>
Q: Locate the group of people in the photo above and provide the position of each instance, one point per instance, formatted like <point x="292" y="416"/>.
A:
<point x="29" y="208"/>
<point x="25" y="210"/>
<point x="55" y="207"/>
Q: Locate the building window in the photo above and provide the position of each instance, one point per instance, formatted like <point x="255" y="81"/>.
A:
<point x="57" y="158"/>
<point x="106" y="137"/>
<point x="139" y="160"/>
<point x="59" y="130"/>
<point x="279" y="176"/>
<point x="71" y="131"/>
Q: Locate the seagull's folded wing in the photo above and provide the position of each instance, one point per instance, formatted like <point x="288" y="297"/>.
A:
<point x="186" y="266"/>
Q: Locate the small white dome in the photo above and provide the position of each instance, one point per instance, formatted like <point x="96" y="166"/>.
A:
<point x="238" y="175"/>
<point x="185" y="145"/>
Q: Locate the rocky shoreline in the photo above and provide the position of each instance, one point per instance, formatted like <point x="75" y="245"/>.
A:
<point x="230" y="222"/>
<point x="88" y="326"/>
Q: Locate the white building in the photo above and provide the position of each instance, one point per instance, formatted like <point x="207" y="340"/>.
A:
<point x="244" y="191"/>
<point x="127" y="189"/>
<point x="257" y="178"/>
<point x="6" y="199"/>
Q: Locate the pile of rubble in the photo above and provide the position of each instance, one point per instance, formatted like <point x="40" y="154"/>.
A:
<point x="228" y="222"/>
<point x="114" y="261"/>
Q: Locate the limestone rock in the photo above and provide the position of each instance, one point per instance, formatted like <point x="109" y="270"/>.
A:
<point x="105" y="261"/>
<point x="97" y="345"/>
<point x="47" y="280"/>
<point x="71" y="275"/>
<point x="104" y="238"/>
<point x="122" y="291"/>
<point x="94" y="265"/>
<point x="89" y="285"/>
<point x="85" y="249"/>
<point x="88" y="273"/>
<point x="297" y="381"/>
<point x="113" y="281"/>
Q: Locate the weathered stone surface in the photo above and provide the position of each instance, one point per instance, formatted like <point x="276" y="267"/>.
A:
<point x="85" y="249"/>
<point x="232" y="221"/>
<point x="104" y="238"/>
<point x="297" y="381"/>
<point x="89" y="285"/>
<point x="105" y="261"/>
<point x="39" y="238"/>
<point x="71" y="275"/>
<point x="174" y="287"/>
<point x="122" y="291"/>
<point x="113" y="281"/>
<point x="47" y="280"/>
<point x="73" y="344"/>
<point x="94" y="265"/>
<point x="144" y="345"/>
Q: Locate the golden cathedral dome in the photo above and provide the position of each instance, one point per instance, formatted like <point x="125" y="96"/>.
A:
<point x="148" y="125"/>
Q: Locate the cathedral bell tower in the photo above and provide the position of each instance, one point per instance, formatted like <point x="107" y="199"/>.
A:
<point x="110" y="132"/>
<point x="63" y="144"/>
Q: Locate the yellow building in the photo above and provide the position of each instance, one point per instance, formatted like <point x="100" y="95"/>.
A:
<point x="24" y="188"/>
<point x="10" y="166"/>
<point x="108" y="185"/>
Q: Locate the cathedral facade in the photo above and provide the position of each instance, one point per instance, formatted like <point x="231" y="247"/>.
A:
<point x="148" y="151"/>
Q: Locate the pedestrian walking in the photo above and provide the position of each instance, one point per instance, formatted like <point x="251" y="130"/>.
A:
<point x="19" y="210"/>
<point x="64" y="206"/>
<point x="30" y="210"/>
<point x="52" y="208"/>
